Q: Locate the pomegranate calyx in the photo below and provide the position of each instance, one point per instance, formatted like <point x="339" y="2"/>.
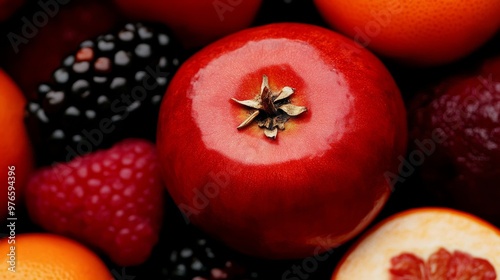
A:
<point x="275" y="107"/>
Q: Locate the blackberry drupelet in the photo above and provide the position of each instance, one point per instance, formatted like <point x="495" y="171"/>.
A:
<point x="109" y="89"/>
<point x="201" y="258"/>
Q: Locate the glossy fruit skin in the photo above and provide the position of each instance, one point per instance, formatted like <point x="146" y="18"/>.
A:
<point x="423" y="33"/>
<point x="463" y="168"/>
<point x="48" y="256"/>
<point x="15" y="147"/>
<point x="320" y="182"/>
<point x="195" y="22"/>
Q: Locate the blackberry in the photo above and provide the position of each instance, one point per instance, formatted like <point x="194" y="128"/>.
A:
<point x="202" y="258"/>
<point x="109" y="89"/>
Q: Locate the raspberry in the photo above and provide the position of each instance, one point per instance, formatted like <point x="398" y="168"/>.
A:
<point x="111" y="200"/>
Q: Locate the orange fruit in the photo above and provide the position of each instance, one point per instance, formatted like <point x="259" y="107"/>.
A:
<point x="40" y="256"/>
<point x="15" y="147"/>
<point x="422" y="32"/>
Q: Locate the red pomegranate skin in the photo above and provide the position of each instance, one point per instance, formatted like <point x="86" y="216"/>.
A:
<point x="315" y="186"/>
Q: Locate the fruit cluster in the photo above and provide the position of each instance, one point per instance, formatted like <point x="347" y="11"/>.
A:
<point x="250" y="139"/>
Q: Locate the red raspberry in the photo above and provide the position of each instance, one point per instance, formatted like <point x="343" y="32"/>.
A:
<point x="111" y="200"/>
